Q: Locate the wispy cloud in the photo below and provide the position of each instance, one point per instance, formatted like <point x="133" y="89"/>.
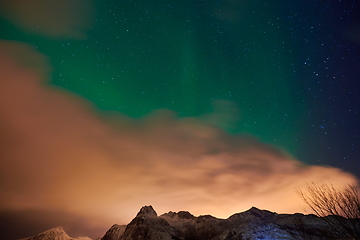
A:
<point x="58" y="153"/>
<point x="51" y="18"/>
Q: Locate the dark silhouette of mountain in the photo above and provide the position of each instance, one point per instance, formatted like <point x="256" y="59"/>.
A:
<point x="252" y="224"/>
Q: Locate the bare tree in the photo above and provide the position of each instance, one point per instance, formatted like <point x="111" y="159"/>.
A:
<point x="338" y="207"/>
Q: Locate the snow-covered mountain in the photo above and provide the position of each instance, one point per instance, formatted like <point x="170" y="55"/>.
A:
<point x="253" y="224"/>
<point x="54" y="234"/>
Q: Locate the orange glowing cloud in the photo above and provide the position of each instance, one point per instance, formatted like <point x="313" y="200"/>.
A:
<point x="51" y="18"/>
<point x="58" y="153"/>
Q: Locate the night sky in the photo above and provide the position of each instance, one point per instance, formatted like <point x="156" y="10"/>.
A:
<point x="168" y="83"/>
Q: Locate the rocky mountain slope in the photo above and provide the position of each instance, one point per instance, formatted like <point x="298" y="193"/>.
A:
<point x="253" y="224"/>
<point x="54" y="234"/>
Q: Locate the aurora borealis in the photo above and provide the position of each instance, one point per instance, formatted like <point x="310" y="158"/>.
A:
<point x="206" y="106"/>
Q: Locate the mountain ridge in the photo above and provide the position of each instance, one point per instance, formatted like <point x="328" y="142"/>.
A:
<point x="252" y="224"/>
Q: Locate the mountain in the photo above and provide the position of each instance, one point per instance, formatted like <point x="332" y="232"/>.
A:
<point x="54" y="234"/>
<point x="147" y="225"/>
<point x="114" y="232"/>
<point x="253" y="224"/>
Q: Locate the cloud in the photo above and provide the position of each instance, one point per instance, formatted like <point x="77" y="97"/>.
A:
<point x="231" y="10"/>
<point x="51" y="18"/>
<point x="225" y="115"/>
<point x="59" y="154"/>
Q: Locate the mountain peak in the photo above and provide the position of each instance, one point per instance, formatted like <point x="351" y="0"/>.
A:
<point x="56" y="230"/>
<point x="254" y="209"/>
<point x="147" y="211"/>
<point x="257" y="211"/>
<point x="180" y="215"/>
<point x="56" y="233"/>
